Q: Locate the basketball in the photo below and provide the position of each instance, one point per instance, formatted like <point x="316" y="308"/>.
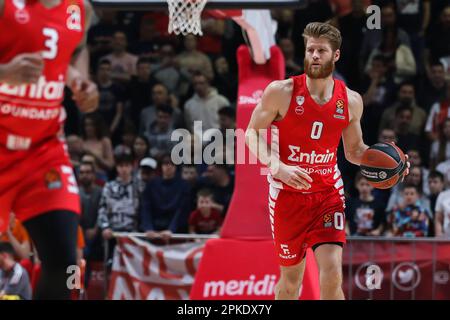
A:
<point x="383" y="165"/>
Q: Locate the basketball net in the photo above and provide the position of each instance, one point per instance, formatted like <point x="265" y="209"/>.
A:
<point x="185" y="16"/>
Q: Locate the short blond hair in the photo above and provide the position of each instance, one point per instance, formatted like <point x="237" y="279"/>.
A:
<point x="323" y="30"/>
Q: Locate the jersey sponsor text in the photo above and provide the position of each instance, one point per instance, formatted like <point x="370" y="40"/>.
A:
<point x="29" y="113"/>
<point x="43" y="89"/>
<point x="309" y="158"/>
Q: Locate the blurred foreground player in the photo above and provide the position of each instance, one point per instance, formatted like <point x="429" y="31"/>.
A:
<point x="308" y="114"/>
<point x="40" y="39"/>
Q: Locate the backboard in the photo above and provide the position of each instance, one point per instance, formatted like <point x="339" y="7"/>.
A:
<point x="212" y="4"/>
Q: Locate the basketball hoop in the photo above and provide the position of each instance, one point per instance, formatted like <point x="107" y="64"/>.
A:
<point x="185" y="16"/>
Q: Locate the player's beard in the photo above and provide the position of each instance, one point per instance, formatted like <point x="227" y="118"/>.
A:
<point x="323" y="72"/>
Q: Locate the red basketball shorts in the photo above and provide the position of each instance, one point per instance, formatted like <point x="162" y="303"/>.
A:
<point x="36" y="181"/>
<point x="303" y="220"/>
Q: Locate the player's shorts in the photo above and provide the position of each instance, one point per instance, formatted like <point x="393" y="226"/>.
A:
<point x="303" y="220"/>
<point x="36" y="181"/>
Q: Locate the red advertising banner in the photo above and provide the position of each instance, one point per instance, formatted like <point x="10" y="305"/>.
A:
<point x="142" y="271"/>
<point x="95" y="290"/>
<point x="392" y="270"/>
<point x="245" y="270"/>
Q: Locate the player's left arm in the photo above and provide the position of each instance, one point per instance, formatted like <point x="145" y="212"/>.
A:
<point x="354" y="146"/>
<point x="85" y="92"/>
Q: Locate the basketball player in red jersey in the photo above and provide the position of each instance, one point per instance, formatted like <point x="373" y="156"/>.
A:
<point x="40" y="39"/>
<point x="307" y="115"/>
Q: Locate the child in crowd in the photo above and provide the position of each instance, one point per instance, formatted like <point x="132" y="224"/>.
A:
<point x="364" y="214"/>
<point x="410" y="219"/>
<point x="205" y="219"/>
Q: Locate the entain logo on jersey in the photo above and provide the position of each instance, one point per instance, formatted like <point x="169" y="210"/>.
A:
<point x="310" y="158"/>
<point x="22" y="16"/>
<point x="74" y="19"/>
<point x="43" y="89"/>
<point x="339" y="109"/>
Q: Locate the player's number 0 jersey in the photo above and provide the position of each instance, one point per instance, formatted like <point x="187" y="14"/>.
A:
<point x="308" y="136"/>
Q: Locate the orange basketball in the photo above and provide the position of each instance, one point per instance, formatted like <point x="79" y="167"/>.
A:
<point x="383" y="165"/>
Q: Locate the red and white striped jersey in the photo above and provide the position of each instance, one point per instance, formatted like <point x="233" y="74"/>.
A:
<point x="308" y="136"/>
<point x="30" y="114"/>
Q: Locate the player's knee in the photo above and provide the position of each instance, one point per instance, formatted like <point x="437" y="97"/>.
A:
<point x="287" y="287"/>
<point x="291" y="281"/>
<point x="331" y="277"/>
<point x="292" y="276"/>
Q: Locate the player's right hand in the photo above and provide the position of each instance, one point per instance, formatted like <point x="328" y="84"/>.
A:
<point x="85" y="94"/>
<point x="293" y="176"/>
<point x="24" y="68"/>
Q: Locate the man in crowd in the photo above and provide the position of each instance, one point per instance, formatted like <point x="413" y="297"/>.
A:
<point x="165" y="203"/>
<point x="14" y="280"/>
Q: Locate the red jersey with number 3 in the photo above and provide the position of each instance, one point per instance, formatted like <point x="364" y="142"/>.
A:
<point x="308" y="136"/>
<point x="33" y="113"/>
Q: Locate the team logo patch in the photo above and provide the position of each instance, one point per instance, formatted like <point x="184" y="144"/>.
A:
<point x="53" y="179"/>
<point x="340" y="106"/>
<point x="300" y="100"/>
<point x="22" y="16"/>
<point x="339" y="110"/>
<point x="299" y="110"/>
<point x="74" y="19"/>
<point x="327" y="220"/>
<point x="19" y="4"/>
